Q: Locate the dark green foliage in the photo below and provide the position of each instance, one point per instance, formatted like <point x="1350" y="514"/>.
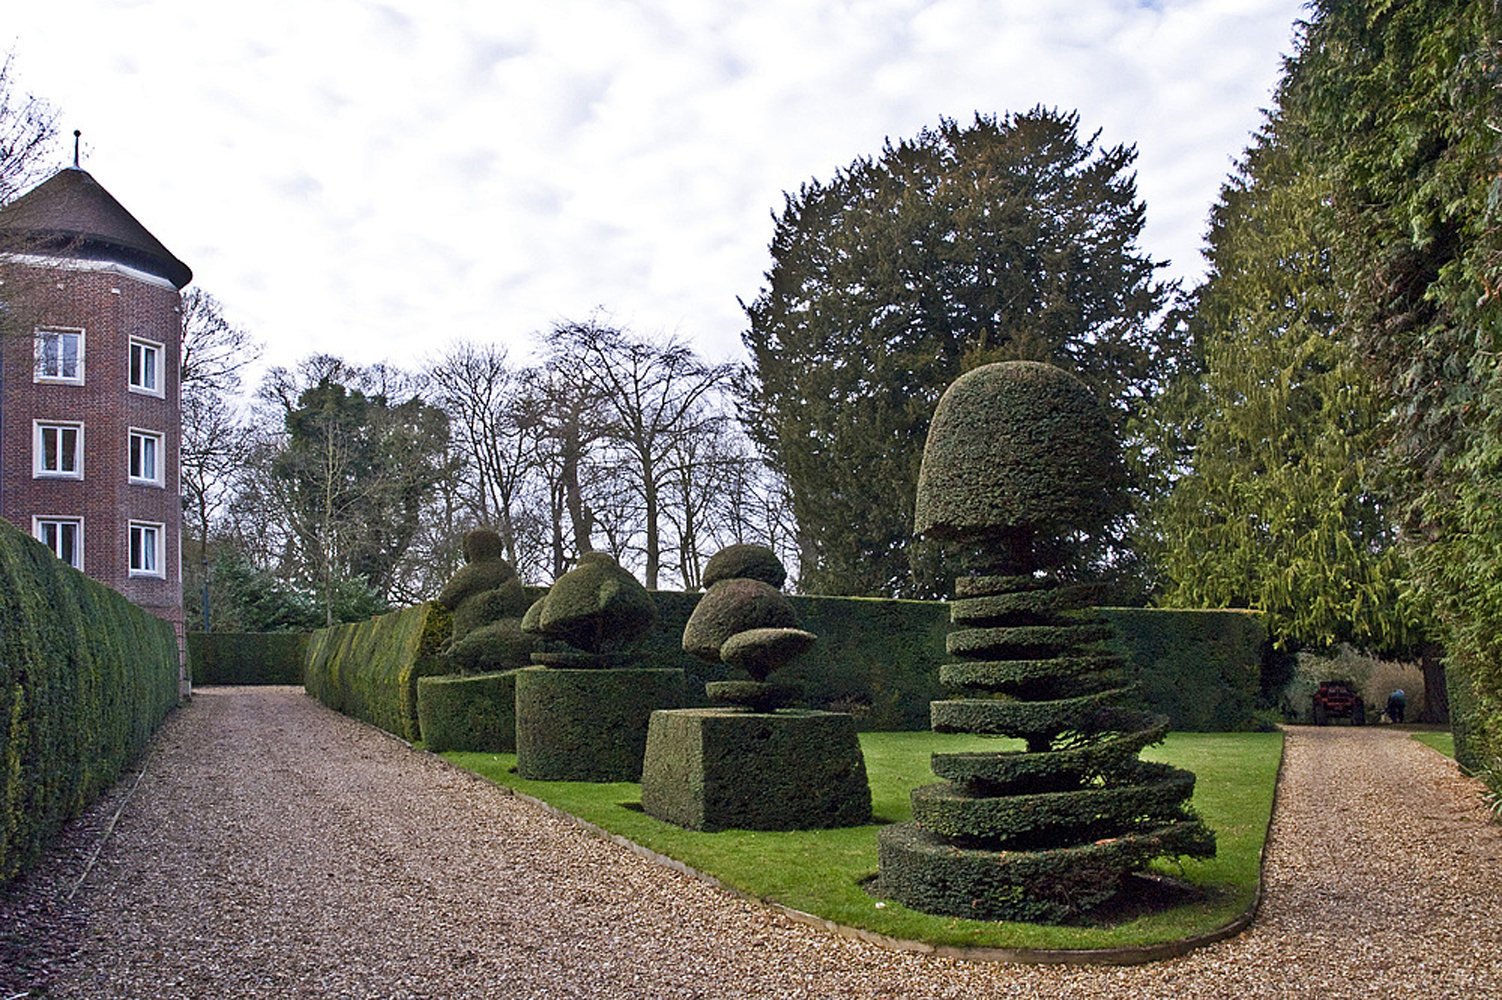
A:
<point x="85" y="679"/>
<point x="1200" y="668"/>
<point x="1475" y="730"/>
<point x="998" y="773"/>
<point x="246" y="657"/>
<point x="499" y="645"/>
<point x="707" y="769"/>
<point x="357" y="471"/>
<point x="760" y="651"/>
<point x="731" y="606"/>
<point x="1017" y="454"/>
<point x="597" y="606"/>
<point x="468" y="713"/>
<point x="370" y="669"/>
<point x="881" y="659"/>
<point x="588" y="725"/>
<point x="1018" y="446"/>
<point x="1145" y="791"/>
<point x="929" y="874"/>
<point x="758" y="696"/>
<point x="745" y="561"/>
<point x="1006" y="238"/>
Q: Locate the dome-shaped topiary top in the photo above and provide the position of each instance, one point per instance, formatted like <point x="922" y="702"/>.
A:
<point x="597" y="606"/>
<point x="1017" y="446"/>
<point x="745" y="560"/>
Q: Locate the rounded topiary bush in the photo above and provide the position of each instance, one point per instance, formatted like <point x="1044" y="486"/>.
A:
<point x="731" y="606"/>
<point x="597" y="606"/>
<point x="1017" y="445"/>
<point x="745" y="561"/>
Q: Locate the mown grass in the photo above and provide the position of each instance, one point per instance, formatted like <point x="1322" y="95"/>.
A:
<point x="1443" y="742"/>
<point x="823" y="871"/>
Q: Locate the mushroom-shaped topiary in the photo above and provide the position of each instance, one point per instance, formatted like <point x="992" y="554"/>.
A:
<point x="730" y="606"/>
<point x="597" y="607"/>
<point x="1018" y="454"/>
<point x="487" y="601"/>
<point x="1017" y="449"/>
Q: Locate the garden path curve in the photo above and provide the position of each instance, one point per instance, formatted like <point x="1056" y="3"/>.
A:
<point x="273" y="848"/>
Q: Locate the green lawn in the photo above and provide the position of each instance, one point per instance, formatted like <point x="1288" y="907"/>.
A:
<point x="1443" y="742"/>
<point x="822" y="871"/>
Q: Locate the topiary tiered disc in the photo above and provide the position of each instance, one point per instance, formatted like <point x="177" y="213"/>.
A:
<point x="1017" y="452"/>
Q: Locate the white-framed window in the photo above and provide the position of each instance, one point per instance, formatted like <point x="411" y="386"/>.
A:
<point x="57" y="449"/>
<point x="146" y="554"/>
<point x="146" y="457"/>
<point x="59" y="355"/>
<point x="63" y="535"/>
<point x="146" y="373"/>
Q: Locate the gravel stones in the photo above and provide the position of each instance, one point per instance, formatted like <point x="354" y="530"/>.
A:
<point x="276" y="849"/>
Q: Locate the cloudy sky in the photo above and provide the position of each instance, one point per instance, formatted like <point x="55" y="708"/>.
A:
<point x="376" y="180"/>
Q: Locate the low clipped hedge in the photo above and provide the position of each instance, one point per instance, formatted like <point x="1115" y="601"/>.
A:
<point x="370" y="669"/>
<point x="468" y="712"/>
<point x="588" y="725"/>
<point x="246" y="657"/>
<point x="85" y="679"/>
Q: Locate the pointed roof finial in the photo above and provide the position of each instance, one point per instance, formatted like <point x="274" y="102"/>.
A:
<point x="76" y="134"/>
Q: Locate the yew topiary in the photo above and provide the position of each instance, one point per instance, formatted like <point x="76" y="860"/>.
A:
<point x="1018" y="454"/>
<point x="596" y="607"/>
<point x="1017" y="449"/>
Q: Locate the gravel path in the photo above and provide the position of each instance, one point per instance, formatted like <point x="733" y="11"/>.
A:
<point x="276" y="849"/>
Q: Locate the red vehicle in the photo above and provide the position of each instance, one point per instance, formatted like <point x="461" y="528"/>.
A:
<point x="1338" y="700"/>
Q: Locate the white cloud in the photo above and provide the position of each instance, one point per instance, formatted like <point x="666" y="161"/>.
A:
<point x="373" y="180"/>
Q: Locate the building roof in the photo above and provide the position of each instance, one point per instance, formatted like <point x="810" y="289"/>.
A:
<point x="71" y="215"/>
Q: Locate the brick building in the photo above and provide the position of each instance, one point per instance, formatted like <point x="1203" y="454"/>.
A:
<point x="90" y="420"/>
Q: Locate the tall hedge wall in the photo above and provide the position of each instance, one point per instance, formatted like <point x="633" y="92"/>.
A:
<point x="246" y="657"/>
<point x="370" y="669"/>
<point x="879" y="659"/>
<point x="1202" y="669"/>
<point x="85" y="679"/>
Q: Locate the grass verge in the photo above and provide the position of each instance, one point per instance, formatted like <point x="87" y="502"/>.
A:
<point x="822" y="871"/>
<point x="1443" y="742"/>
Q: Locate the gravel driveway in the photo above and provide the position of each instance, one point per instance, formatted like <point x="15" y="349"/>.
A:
<point x="276" y="849"/>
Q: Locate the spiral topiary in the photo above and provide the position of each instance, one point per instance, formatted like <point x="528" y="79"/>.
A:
<point x="1017" y="454"/>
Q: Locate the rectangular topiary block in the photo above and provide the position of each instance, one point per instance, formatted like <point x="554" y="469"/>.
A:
<point x="468" y="712"/>
<point x="588" y="725"/>
<point x="713" y="769"/>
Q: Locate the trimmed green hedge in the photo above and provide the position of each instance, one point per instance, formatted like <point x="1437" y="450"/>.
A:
<point x="468" y="712"/>
<point x="246" y="657"/>
<point x="1202" y="669"/>
<point x="880" y="659"/>
<point x="588" y="725"/>
<point x="370" y="669"/>
<point x="709" y="769"/>
<point x="85" y="679"/>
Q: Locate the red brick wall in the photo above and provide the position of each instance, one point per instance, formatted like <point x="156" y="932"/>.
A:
<point x="111" y="307"/>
